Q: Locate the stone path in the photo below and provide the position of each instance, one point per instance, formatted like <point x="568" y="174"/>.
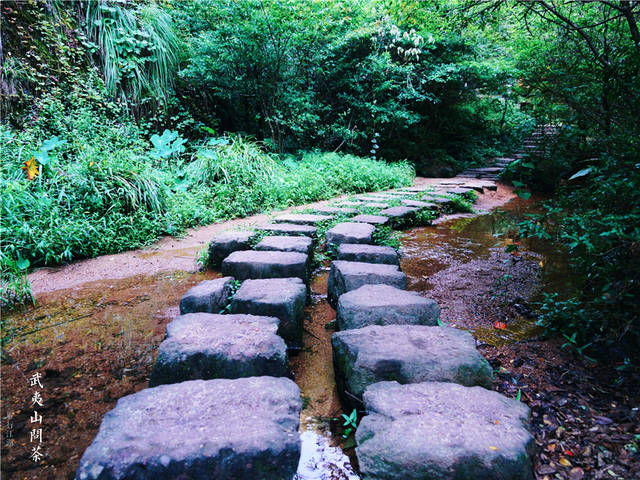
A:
<point x="221" y="404"/>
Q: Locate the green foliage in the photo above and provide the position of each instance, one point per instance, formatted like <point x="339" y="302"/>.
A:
<point x="386" y="236"/>
<point x="351" y="422"/>
<point x="138" y="50"/>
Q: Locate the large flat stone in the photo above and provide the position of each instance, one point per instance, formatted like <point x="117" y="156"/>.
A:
<point x="202" y="346"/>
<point x="376" y="205"/>
<point x="350" y="232"/>
<point x="399" y="215"/>
<point x="346" y="276"/>
<point x="289" y="229"/>
<point x="372" y="198"/>
<point x="283" y="243"/>
<point x="283" y="298"/>
<point x="255" y="264"/>
<point x="209" y="296"/>
<point x="385" y="305"/>
<point x="336" y="210"/>
<point x="443" y="431"/>
<point x="350" y="203"/>
<point x="303" y="218"/>
<point x="406" y="354"/>
<point x="353" y="252"/>
<point x="372" y="219"/>
<point x="200" y="430"/>
<point x="225" y="244"/>
<point x="419" y="204"/>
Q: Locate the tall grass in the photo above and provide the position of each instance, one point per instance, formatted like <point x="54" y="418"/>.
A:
<point x="138" y="49"/>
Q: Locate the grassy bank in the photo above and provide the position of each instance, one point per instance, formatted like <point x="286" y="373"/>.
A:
<point x="91" y="191"/>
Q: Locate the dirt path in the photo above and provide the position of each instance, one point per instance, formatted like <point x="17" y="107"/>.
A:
<point x="178" y="254"/>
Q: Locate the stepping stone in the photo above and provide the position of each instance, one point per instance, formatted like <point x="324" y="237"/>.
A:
<point x="225" y="244"/>
<point x="203" y="346"/>
<point x="439" y="200"/>
<point x="399" y="215"/>
<point x="385" y="305"/>
<point x="443" y="431"/>
<point x="348" y="203"/>
<point x="209" y="296"/>
<point x="406" y="354"/>
<point x="346" y="276"/>
<point x="419" y="204"/>
<point x="372" y="219"/>
<point x="375" y="205"/>
<point x="459" y="191"/>
<point x="264" y="264"/>
<point x="353" y="252"/>
<point x="336" y="210"/>
<point x="289" y="229"/>
<point x="303" y="218"/>
<point x="371" y="199"/>
<point x="222" y="429"/>
<point x="350" y="232"/>
<point x="283" y="243"/>
<point x="283" y="298"/>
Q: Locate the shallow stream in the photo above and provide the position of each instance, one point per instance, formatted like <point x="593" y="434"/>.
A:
<point x="96" y="342"/>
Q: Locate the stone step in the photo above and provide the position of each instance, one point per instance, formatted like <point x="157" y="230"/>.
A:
<point x="210" y="296"/>
<point x="346" y="276"/>
<point x="459" y="191"/>
<point x="253" y="264"/>
<point x="222" y="429"/>
<point x="444" y="201"/>
<point x="283" y="298"/>
<point x="406" y="354"/>
<point x="303" y="218"/>
<point x="289" y="229"/>
<point x="419" y="204"/>
<point x="349" y="203"/>
<point x="336" y="210"/>
<point x="352" y="252"/>
<point x="371" y="198"/>
<point x="225" y="244"/>
<point x="400" y="215"/>
<point x="384" y="305"/>
<point x="375" y="205"/>
<point x="204" y="346"/>
<point x="372" y="219"/>
<point x="443" y="431"/>
<point x="284" y="243"/>
<point x="349" y="232"/>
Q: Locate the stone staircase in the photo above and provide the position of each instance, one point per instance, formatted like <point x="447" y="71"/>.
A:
<point x="532" y="146"/>
<point x="221" y="402"/>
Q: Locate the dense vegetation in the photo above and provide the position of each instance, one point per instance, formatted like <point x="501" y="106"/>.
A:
<point x="126" y="120"/>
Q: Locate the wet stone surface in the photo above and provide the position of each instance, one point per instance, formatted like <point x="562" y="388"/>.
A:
<point x="385" y="305"/>
<point x="203" y="346"/>
<point x="283" y="298"/>
<point x="289" y="229"/>
<point x="368" y="253"/>
<point x="350" y="232"/>
<point x="184" y="431"/>
<point x="372" y="219"/>
<point x="283" y="243"/>
<point x="406" y="354"/>
<point x="252" y="264"/>
<point x="223" y="245"/>
<point x="443" y="431"/>
<point x="346" y="276"/>
<point x="209" y="296"/>
<point x="303" y="218"/>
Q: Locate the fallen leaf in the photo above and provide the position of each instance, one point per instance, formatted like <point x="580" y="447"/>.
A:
<point x="564" y="462"/>
<point x="31" y="168"/>
<point x="500" y="325"/>
<point x="493" y="448"/>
